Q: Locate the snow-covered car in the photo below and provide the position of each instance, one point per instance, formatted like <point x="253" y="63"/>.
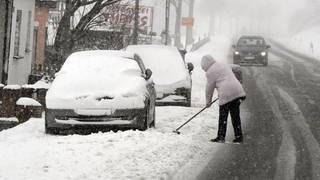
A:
<point x="101" y="89"/>
<point x="172" y="76"/>
<point x="251" y="50"/>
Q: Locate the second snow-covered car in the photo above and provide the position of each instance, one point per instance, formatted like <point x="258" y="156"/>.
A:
<point x="251" y="50"/>
<point x="101" y="89"/>
<point x="172" y="76"/>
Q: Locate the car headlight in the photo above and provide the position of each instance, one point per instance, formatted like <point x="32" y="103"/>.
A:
<point x="263" y="53"/>
<point x="236" y="52"/>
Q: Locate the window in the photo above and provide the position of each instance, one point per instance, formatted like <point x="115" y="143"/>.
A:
<point x="17" y="33"/>
<point x="28" y="43"/>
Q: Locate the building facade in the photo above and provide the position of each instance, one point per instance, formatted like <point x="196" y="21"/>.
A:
<point x="18" y="66"/>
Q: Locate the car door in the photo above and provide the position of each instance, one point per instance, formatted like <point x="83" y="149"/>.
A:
<point x="150" y="87"/>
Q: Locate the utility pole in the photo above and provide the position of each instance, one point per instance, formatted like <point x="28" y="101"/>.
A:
<point x="167" y="21"/>
<point x="189" y="35"/>
<point x="136" y="23"/>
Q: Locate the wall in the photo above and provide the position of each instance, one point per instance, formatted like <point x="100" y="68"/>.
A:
<point x="41" y="16"/>
<point x="2" y="33"/>
<point x="20" y="58"/>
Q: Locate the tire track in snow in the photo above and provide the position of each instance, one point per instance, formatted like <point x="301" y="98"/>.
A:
<point x="286" y="159"/>
<point x="311" y="142"/>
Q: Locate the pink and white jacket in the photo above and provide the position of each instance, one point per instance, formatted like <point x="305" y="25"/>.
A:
<point x="220" y="76"/>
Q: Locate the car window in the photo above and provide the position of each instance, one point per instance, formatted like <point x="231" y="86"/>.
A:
<point x="251" y="42"/>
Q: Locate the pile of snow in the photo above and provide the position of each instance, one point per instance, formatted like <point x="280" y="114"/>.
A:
<point x="25" y="101"/>
<point x="97" y="79"/>
<point x="169" y="71"/>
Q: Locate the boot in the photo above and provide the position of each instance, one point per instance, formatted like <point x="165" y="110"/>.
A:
<point x="218" y="139"/>
<point x="238" y="139"/>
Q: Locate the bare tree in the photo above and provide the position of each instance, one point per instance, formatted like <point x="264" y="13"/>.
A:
<point x="66" y="35"/>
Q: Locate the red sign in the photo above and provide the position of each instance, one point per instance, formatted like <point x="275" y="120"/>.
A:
<point x="186" y="21"/>
<point x="124" y="15"/>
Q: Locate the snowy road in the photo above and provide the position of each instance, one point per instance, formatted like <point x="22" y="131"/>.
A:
<point x="282" y="127"/>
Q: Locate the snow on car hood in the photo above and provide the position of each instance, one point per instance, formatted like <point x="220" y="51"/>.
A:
<point x="94" y="80"/>
<point x="165" y="62"/>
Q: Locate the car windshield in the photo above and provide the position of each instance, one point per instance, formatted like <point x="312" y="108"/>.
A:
<point x="89" y="72"/>
<point x="165" y="62"/>
<point x="251" y="42"/>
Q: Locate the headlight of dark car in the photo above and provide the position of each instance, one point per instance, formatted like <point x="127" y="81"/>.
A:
<point x="263" y="53"/>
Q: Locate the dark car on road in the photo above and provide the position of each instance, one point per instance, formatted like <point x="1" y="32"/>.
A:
<point x="101" y="89"/>
<point x="251" y="50"/>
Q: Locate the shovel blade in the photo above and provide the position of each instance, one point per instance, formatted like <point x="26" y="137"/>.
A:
<point x="175" y="131"/>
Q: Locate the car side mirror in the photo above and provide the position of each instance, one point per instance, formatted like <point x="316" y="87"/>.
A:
<point x="190" y="67"/>
<point x="234" y="46"/>
<point x="268" y="46"/>
<point x="148" y="74"/>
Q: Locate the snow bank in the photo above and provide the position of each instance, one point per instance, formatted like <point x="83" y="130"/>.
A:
<point x="306" y="42"/>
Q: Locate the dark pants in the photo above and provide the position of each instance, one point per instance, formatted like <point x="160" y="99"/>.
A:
<point x="234" y="108"/>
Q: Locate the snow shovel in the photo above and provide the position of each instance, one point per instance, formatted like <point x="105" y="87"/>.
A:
<point x="177" y="130"/>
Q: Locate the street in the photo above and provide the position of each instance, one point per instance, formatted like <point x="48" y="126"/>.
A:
<point x="280" y="122"/>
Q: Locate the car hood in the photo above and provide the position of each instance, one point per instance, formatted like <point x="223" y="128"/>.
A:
<point x="123" y="92"/>
<point x="251" y="48"/>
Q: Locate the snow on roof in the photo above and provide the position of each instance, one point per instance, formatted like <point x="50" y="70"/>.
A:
<point x="165" y="62"/>
<point x="25" y="101"/>
<point x="96" y="74"/>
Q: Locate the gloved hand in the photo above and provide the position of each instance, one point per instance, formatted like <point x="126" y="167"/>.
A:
<point x="242" y="98"/>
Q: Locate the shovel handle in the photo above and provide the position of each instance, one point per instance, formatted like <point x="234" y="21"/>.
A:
<point x="195" y="115"/>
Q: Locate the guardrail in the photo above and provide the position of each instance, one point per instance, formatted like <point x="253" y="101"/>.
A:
<point x="200" y="43"/>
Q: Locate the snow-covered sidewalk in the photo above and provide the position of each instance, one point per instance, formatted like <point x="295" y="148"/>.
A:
<point x="28" y="153"/>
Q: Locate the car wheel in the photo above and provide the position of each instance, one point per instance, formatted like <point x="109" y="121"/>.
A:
<point x="53" y="131"/>
<point x="143" y="121"/>
<point x="265" y="63"/>
<point x="144" y="125"/>
<point x="48" y="120"/>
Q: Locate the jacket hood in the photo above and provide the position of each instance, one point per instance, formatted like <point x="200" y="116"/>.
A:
<point x="207" y="61"/>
